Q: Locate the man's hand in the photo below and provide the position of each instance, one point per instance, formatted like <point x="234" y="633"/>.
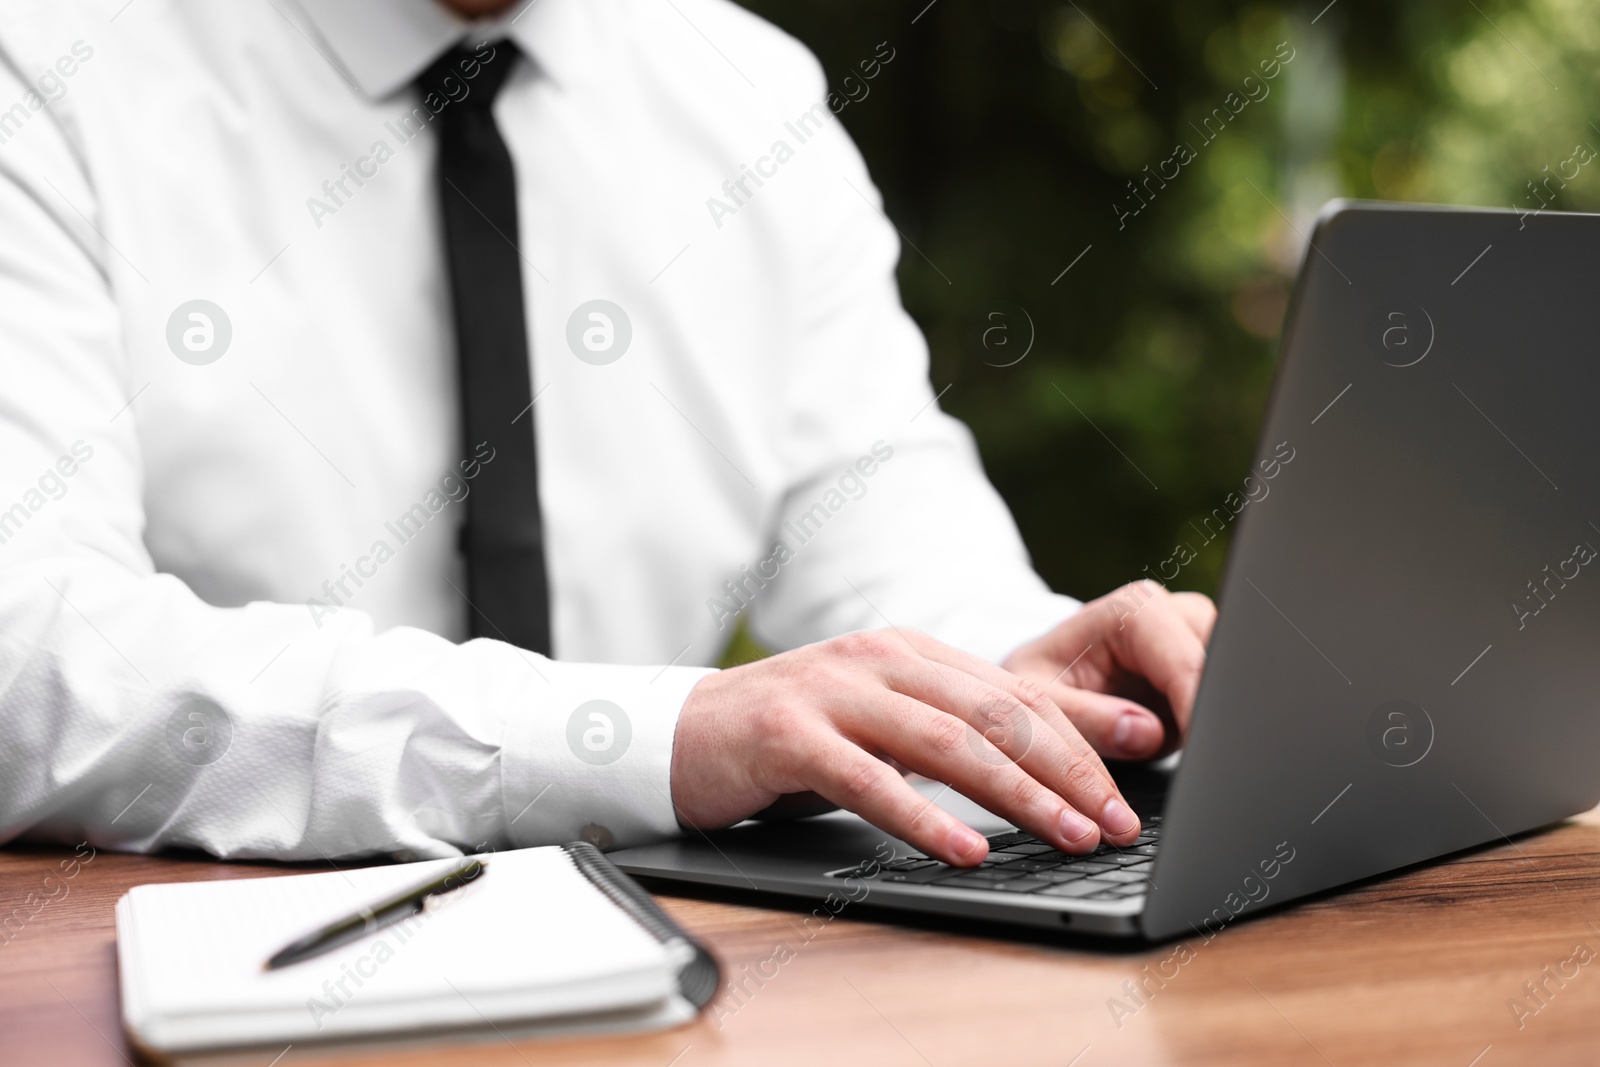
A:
<point x="1125" y="669"/>
<point x="841" y="718"/>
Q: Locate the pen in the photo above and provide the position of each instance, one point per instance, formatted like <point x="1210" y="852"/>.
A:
<point x="374" y="916"/>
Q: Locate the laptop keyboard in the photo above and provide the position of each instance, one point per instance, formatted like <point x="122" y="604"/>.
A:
<point x="1019" y="863"/>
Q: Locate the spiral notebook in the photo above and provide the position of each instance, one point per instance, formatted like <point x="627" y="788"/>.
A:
<point x="551" y="939"/>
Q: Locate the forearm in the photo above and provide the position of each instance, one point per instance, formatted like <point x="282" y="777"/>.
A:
<point x="309" y="742"/>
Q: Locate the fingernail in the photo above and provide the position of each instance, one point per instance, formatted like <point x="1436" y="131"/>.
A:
<point x="1136" y="734"/>
<point x="967" y="844"/>
<point x="1117" y="818"/>
<point x="1075" y="827"/>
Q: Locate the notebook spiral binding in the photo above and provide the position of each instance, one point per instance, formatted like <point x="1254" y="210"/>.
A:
<point x="699" y="978"/>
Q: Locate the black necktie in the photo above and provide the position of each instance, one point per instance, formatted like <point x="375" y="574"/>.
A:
<point x="503" y="539"/>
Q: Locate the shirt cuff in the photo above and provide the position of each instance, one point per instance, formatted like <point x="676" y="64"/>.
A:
<point x="591" y="760"/>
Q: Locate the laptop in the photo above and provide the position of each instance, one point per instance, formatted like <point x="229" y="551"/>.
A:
<point x="1406" y="661"/>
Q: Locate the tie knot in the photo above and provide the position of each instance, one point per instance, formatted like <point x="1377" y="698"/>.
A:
<point x="467" y="76"/>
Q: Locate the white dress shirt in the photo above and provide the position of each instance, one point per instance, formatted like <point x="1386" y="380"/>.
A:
<point x="230" y="587"/>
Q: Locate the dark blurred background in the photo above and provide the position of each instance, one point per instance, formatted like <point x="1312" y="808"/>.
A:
<point x="1003" y="132"/>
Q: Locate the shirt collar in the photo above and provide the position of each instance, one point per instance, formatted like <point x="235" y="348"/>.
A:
<point x="382" y="45"/>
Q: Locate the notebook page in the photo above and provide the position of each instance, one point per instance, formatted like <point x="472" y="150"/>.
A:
<point x="531" y="936"/>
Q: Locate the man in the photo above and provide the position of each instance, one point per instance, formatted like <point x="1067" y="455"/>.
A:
<point x="339" y="331"/>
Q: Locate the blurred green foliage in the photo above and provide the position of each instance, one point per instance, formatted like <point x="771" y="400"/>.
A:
<point x="1004" y="136"/>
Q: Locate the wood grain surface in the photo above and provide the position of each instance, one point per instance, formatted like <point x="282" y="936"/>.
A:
<point x="1428" y="967"/>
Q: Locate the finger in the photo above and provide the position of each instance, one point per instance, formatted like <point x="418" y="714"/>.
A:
<point x="1011" y="757"/>
<point x="940" y="745"/>
<point x="840" y="771"/>
<point x="1041" y="699"/>
<point x="1142" y="737"/>
<point x="1198" y="611"/>
<point x="1118" y="728"/>
<point x="990" y="674"/>
<point x="1156" y="642"/>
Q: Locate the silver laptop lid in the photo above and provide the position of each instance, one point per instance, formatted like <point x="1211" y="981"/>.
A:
<point x="1407" y="660"/>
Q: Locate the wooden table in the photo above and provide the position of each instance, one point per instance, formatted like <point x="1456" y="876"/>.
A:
<point x="1422" y="968"/>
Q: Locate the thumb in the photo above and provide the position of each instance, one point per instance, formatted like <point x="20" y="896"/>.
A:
<point x="1118" y="728"/>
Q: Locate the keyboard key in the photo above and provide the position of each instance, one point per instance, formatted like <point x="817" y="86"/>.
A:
<point x="1124" y="859"/>
<point x="909" y="865"/>
<point x="1143" y="849"/>
<point x="1013" y="837"/>
<point x="1061" y="857"/>
<point x="1060" y="875"/>
<point x="1074" y="890"/>
<point x="988" y="874"/>
<point x="923" y="876"/>
<point x="1100" y="881"/>
<point x="1022" y="885"/>
<point x="1032" y="865"/>
<point x="962" y="881"/>
<point x="1094" y="866"/>
<point x="1124" y="877"/>
<point x="968" y="882"/>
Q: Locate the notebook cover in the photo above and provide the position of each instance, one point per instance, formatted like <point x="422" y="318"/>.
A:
<point x="698" y="979"/>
